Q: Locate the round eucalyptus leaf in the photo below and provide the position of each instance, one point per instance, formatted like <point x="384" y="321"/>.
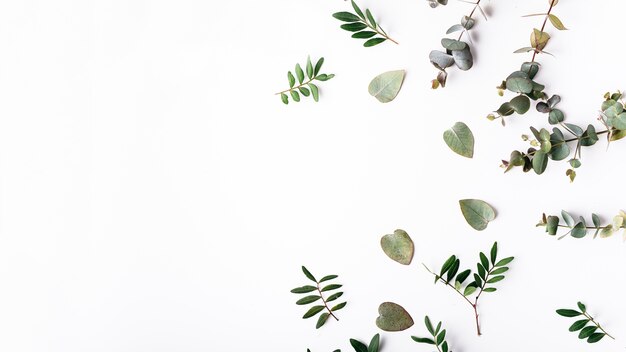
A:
<point x="543" y="107"/>
<point x="453" y="44"/>
<point x="556" y="116"/>
<point x="540" y="162"/>
<point x="530" y="68"/>
<point x="440" y="59"/>
<point x="521" y="104"/>
<point x="398" y="246"/>
<point x="619" y="121"/>
<point x="460" y="139"/>
<point x="519" y="84"/>
<point x="555" y="99"/>
<point x="455" y="28"/>
<point x="463" y="58"/>
<point x="559" y="151"/>
<point x="393" y="317"/>
<point x="477" y="213"/>
<point x="505" y="109"/>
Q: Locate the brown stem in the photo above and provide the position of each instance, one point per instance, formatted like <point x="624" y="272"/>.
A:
<point x="477" y="321"/>
<point x="598" y="325"/>
<point x="543" y="26"/>
<point x="325" y="304"/>
<point x="296" y="87"/>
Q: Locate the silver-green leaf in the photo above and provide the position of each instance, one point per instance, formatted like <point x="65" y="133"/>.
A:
<point x="398" y="246"/>
<point x="460" y="139"/>
<point x="477" y="213"/>
<point x="385" y="87"/>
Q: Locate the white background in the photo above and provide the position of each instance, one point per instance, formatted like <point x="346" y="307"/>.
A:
<point x="156" y="196"/>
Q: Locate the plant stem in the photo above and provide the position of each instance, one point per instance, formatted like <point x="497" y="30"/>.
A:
<point x="591" y="227"/>
<point x="296" y="87"/>
<point x="570" y="140"/>
<point x="380" y="32"/>
<point x="325" y="304"/>
<point x="543" y="26"/>
<point x="470" y="17"/>
<point x="598" y="325"/>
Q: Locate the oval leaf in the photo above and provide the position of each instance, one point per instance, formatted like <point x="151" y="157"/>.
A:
<point x="385" y="87"/>
<point x="477" y="213"/>
<point x="460" y="139"/>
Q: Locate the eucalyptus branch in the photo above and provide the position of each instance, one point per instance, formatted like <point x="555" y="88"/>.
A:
<point x="488" y="272"/>
<point x="588" y="332"/>
<point x="359" y="23"/>
<point x="307" y="87"/>
<point x="547" y="145"/>
<point x="319" y="297"/>
<point x="522" y="81"/>
<point x="579" y="229"/>
<point x="457" y="52"/>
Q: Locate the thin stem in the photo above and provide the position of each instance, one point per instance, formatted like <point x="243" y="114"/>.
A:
<point x="380" y="32"/>
<point x="598" y="325"/>
<point x="470" y="17"/>
<point x="543" y="26"/>
<point x="297" y="87"/>
<point x="325" y="304"/>
<point x="591" y="227"/>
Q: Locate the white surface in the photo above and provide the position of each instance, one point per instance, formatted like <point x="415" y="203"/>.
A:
<point x="156" y="196"/>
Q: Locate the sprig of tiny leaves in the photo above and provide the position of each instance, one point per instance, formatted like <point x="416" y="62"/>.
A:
<point x="319" y="296"/>
<point x="438" y="336"/>
<point x="457" y="51"/>
<point x="305" y="87"/>
<point x="489" y="271"/>
<point x="579" y="229"/>
<point x="521" y="81"/>
<point x="363" y="25"/>
<point x="361" y="347"/>
<point x="588" y="326"/>
<point x="555" y="146"/>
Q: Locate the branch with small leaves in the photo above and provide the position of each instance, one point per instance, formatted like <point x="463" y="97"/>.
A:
<point x="488" y="272"/>
<point x="579" y="229"/>
<point x="522" y="81"/>
<point x="457" y="51"/>
<point x="319" y="296"/>
<point x="589" y="328"/>
<point x="305" y="87"/>
<point x="438" y="336"/>
<point x="363" y="25"/>
<point x="555" y="145"/>
<point x="361" y="347"/>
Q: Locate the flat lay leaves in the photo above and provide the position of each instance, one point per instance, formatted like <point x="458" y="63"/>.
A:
<point x="306" y="86"/>
<point x="317" y="296"/>
<point x="361" y="347"/>
<point x="398" y="246"/>
<point x="438" y="336"/>
<point x="477" y="213"/>
<point x="363" y="26"/>
<point x="393" y="317"/>
<point x="460" y="139"/>
<point x="580" y="228"/>
<point x="386" y="86"/>
<point x="586" y="326"/>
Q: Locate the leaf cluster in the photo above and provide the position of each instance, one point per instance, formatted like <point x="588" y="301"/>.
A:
<point x="318" y="296"/>
<point x="554" y="145"/>
<point x="438" y="336"/>
<point x="363" y="25"/>
<point x="579" y="228"/>
<point x="588" y="328"/>
<point x="305" y="87"/>
<point x="361" y="347"/>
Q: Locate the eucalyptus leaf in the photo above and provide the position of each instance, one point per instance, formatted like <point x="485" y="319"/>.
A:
<point x="385" y="87"/>
<point x="460" y="139"/>
<point x="477" y="213"/>
<point x="393" y="317"/>
<point x="398" y="246"/>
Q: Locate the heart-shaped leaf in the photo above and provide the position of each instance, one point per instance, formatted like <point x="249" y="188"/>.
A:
<point x="385" y="87"/>
<point x="392" y="317"/>
<point x="460" y="139"/>
<point x="477" y="213"/>
<point x="398" y="246"/>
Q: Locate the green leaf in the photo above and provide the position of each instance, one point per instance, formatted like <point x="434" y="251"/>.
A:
<point x="579" y="324"/>
<point x="429" y="325"/>
<point x="284" y="98"/>
<point x="363" y="35"/>
<point x="447" y="265"/>
<point x="477" y="213"/>
<point x="581" y="306"/>
<point x="385" y="87"/>
<point x="338" y="306"/>
<point x="309" y="68"/>
<point x="579" y="231"/>
<point x="353" y="27"/>
<point x="307" y="300"/>
<point x="460" y="139"/>
<point x="463" y="276"/>
<point x="374" y="343"/>
<point x="315" y="92"/>
<point x="304" y="91"/>
<point x="398" y="246"/>
<point x="346" y="17"/>
<point x="499" y="270"/>
<point x="595" y="337"/>
<point x="307" y="273"/>
<point x="521" y="104"/>
<point x="441" y="337"/>
<point x="328" y="277"/>
<point x="292" y="79"/>
<point x="504" y="261"/>
<point x="322" y="320"/>
<point x="295" y="96"/>
<point x="423" y="340"/>
<point x="539" y="39"/>
<point x="370" y="18"/>
<point x="357" y="9"/>
<point x="318" y="66"/>
<point x="373" y="41"/>
<point x="552" y="225"/>
<point x="587" y="331"/>
<point x="540" y="162"/>
<point x="519" y="82"/>
<point x="358" y="346"/>
<point x="569" y="313"/>
<point x="569" y="220"/>
<point x="490" y="289"/>
<point x="495" y="279"/>
<point x="596" y="220"/>
<point x="555" y="116"/>
<point x="484" y="261"/>
<point x="331" y="287"/>
<point x="334" y="296"/>
<point x="469" y="290"/>
<point x="453" y="270"/>
<point x="556" y="22"/>
<point x="299" y="73"/>
<point x="393" y="317"/>
<point x="304" y="289"/>
<point x="313" y="311"/>
<point x="453" y="44"/>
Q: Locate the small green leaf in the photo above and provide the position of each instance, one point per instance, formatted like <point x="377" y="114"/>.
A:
<point x="299" y="73"/>
<point x="500" y="270"/>
<point x="334" y="296"/>
<point x="308" y="274"/>
<point x="579" y="324"/>
<point x="357" y="9"/>
<point x="504" y="261"/>
<point x="331" y="287"/>
<point x="374" y="343"/>
<point x="353" y="27"/>
<point x="484" y="261"/>
<point x="490" y="289"/>
<point x="295" y="96"/>
<point x="582" y="307"/>
<point x="373" y="41"/>
<point x="453" y="44"/>
<point x="460" y="139"/>
<point x="309" y="68"/>
<point x="304" y="289"/>
<point x="363" y="35"/>
<point x="346" y="17"/>
<point x="398" y="246"/>
<point x="495" y="279"/>
<point x="284" y="98"/>
<point x="338" y="306"/>
<point x="429" y="325"/>
<point x="318" y="66"/>
<point x="385" y="87"/>
<point x="521" y="104"/>
<point x="358" y="346"/>
<point x="556" y="22"/>
<point x="322" y="320"/>
<point x="441" y="337"/>
<point x="587" y="331"/>
<point x="307" y="300"/>
<point x="304" y="91"/>
<point x="540" y="162"/>
<point x="328" y="277"/>
<point x="393" y="317"/>
<point x="569" y="313"/>
<point x="469" y="290"/>
<point x="370" y="18"/>
<point x="313" y="311"/>
<point x="291" y="78"/>
<point x="423" y="340"/>
<point x="595" y="337"/>
<point x="477" y="213"/>
<point x="314" y="92"/>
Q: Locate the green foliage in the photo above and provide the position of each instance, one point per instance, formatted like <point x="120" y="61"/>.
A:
<point x="477" y="213"/>
<point x="457" y="52"/>
<point x="490" y="270"/>
<point x="579" y="228"/>
<point x="554" y="145"/>
<point x="305" y="87"/>
<point x="363" y="25"/>
<point x="587" y="328"/>
<point x="317" y="296"/>
<point x="460" y="139"/>
<point x="361" y="347"/>
<point x="386" y="86"/>
<point x="393" y="317"/>
<point x="398" y="246"/>
<point x="438" y="336"/>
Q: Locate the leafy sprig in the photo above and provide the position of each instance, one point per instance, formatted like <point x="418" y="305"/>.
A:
<point x="579" y="228"/>
<point x="438" y="336"/>
<point x="305" y="87"/>
<point x="589" y="328"/>
<point x="457" y="51"/>
<point x="363" y="25"/>
<point x="555" y="145"/>
<point x="522" y="81"/>
<point x="361" y="347"/>
<point x="490" y="270"/>
<point x="319" y="296"/>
